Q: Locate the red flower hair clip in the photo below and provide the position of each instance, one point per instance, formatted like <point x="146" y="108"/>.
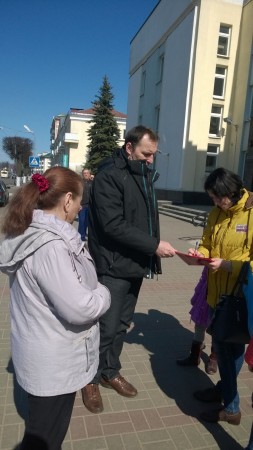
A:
<point x="41" y="182"/>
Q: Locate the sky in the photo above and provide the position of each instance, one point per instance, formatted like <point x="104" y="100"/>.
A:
<point x="54" y="55"/>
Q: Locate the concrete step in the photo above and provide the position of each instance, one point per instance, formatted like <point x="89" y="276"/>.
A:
<point x="197" y="217"/>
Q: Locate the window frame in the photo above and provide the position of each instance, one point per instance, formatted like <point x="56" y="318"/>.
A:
<point x="227" y="36"/>
<point x="219" y="116"/>
<point x="223" y="77"/>
<point x="160" y="69"/>
<point x="213" y="155"/>
<point x="143" y="83"/>
<point x="157" y="117"/>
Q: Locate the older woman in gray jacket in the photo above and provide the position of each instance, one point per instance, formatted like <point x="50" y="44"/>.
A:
<point x="56" y="301"/>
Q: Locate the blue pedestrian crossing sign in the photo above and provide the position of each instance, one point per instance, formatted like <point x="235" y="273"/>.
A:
<point x="34" y="161"/>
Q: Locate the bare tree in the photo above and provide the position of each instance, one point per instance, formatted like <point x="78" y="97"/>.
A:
<point x="19" y="149"/>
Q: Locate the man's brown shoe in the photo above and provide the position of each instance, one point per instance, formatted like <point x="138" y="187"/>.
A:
<point x="121" y="385"/>
<point x="220" y="415"/>
<point x="92" y="398"/>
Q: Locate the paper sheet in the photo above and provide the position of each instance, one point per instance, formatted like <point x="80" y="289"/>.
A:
<point x="192" y="260"/>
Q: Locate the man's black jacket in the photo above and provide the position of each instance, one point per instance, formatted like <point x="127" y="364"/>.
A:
<point x="123" y="219"/>
<point x="86" y="193"/>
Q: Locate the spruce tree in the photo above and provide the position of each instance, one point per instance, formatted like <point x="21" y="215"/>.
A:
<point x="104" y="132"/>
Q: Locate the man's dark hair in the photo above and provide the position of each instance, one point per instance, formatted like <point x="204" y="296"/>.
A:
<point x="136" y="134"/>
<point x="223" y="183"/>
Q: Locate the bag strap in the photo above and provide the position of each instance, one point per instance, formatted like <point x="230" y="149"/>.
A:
<point x="241" y="278"/>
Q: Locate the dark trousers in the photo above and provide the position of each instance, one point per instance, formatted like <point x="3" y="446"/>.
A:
<point x="83" y="222"/>
<point x="48" y="421"/>
<point x="230" y="359"/>
<point x="115" y="322"/>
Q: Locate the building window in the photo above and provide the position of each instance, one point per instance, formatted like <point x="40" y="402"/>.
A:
<point x="157" y="117"/>
<point x="211" y="157"/>
<point x="143" y="82"/>
<point x="224" y="40"/>
<point x="219" y="82"/>
<point x="160" y="69"/>
<point x="215" y="121"/>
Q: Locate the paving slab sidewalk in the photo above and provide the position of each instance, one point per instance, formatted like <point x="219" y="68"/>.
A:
<point x="164" y="415"/>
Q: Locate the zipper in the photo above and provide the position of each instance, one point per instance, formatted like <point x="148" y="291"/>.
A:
<point x="150" y="199"/>
<point x="87" y="354"/>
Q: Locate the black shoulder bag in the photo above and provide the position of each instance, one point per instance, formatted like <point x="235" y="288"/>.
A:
<point x="230" y="320"/>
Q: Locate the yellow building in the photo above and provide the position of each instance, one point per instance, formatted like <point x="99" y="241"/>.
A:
<point x="69" y="140"/>
<point x="191" y="80"/>
<point x="241" y="108"/>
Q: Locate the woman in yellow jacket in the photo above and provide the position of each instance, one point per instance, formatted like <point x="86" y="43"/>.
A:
<point x="228" y="241"/>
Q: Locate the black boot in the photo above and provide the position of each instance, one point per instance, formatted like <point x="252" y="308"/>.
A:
<point x="194" y="357"/>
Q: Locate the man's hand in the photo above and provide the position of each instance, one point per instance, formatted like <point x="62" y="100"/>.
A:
<point x="165" y="250"/>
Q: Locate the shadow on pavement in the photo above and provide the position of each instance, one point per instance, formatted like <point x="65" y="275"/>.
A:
<point x="163" y="336"/>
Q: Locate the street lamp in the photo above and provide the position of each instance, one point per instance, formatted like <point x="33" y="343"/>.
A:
<point x="229" y="121"/>
<point x="28" y="129"/>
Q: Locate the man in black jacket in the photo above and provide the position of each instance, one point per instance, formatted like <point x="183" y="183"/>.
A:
<point x="125" y="245"/>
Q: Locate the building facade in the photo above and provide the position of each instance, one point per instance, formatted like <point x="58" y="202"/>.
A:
<point x="242" y="100"/>
<point x="69" y="139"/>
<point x="45" y="162"/>
<point x="191" y="80"/>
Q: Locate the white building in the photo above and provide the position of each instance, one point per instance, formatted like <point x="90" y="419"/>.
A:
<point x="69" y="139"/>
<point x="191" y="68"/>
<point x="45" y="161"/>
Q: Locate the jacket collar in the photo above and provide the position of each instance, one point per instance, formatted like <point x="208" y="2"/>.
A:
<point x="241" y="204"/>
<point x="136" y="167"/>
<point x="43" y="229"/>
<point x="249" y="202"/>
<point x="64" y="230"/>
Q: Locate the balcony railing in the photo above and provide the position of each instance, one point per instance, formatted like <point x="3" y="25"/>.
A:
<point x="71" y="138"/>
